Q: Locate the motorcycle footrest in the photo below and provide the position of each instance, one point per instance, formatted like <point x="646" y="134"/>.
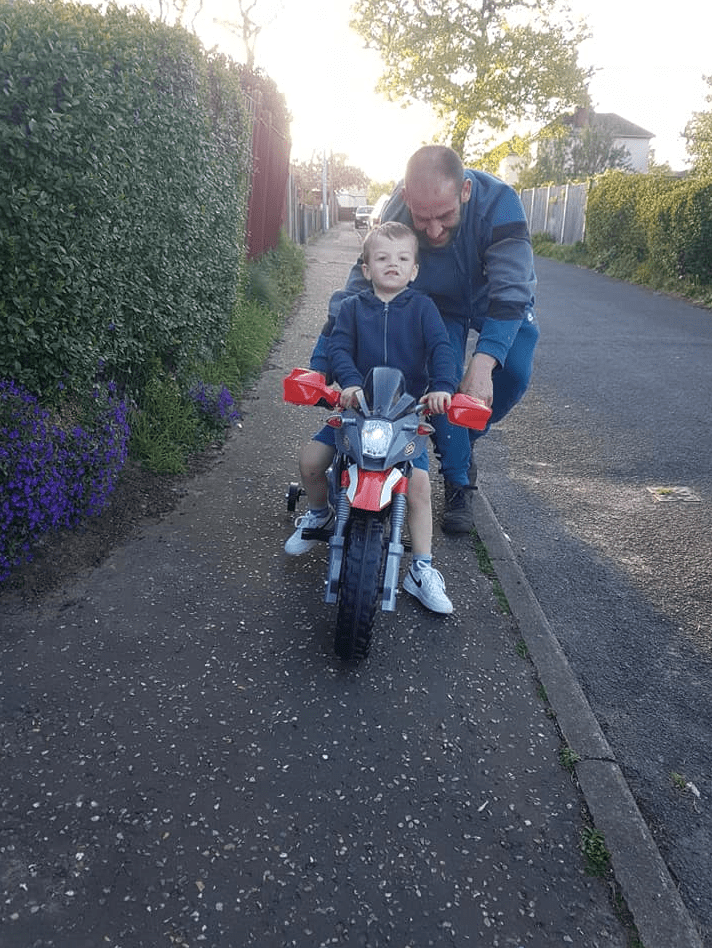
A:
<point x="333" y="576"/>
<point x="318" y="533"/>
<point x="390" y="577"/>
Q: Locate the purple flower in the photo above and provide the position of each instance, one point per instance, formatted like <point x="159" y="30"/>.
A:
<point x="50" y="477"/>
<point x="214" y="404"/>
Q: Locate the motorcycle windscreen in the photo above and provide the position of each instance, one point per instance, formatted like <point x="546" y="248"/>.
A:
<point x="383" y="387"/>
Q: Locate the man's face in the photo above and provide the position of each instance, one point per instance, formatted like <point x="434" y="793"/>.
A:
<point x="435" y="205"/>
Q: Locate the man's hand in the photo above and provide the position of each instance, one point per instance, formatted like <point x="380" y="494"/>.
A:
<point x="437" y="402"/>
<point x="477" y="380"/>
<point x="348" y="396"/>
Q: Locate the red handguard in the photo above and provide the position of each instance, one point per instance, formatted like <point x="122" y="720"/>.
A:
<point x="468" y="412"/>
<point x="305" y="387"/>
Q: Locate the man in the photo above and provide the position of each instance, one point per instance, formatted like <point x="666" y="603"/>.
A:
<point x="476" y="263"/>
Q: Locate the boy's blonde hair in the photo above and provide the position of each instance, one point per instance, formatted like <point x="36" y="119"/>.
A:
<point x="392" y="230"/>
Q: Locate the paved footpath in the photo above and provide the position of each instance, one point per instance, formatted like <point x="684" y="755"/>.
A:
<point x="186" y="763"/>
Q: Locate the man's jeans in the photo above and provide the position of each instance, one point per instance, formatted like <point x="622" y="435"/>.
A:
<point x="510" y="382"/>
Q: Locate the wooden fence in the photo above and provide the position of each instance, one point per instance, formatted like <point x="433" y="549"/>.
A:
<point x="270" y="175"/>
<point x="557" y="210"/>
<point x="275" y="201"/>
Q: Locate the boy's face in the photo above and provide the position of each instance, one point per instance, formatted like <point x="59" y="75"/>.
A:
<point x="391" y="264"/>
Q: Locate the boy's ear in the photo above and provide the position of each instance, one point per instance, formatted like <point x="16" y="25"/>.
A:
<point x="366" y="270"/>
<point x="414" y="274"/>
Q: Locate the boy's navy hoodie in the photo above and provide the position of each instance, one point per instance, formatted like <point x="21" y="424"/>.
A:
<point x="407" y="334"/>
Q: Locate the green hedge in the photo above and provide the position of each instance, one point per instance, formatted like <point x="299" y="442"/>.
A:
<point x="679" y="225"/>
<point x="125" y="153"/>
<point x="639" y="224"/>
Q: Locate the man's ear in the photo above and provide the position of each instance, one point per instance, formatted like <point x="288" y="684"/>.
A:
<point x="466" y="192"/>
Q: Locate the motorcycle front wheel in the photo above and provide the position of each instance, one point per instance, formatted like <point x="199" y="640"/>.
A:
<point x="359" y="589"/>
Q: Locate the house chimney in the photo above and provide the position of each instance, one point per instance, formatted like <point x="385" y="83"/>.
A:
<point x="581" y="117"/>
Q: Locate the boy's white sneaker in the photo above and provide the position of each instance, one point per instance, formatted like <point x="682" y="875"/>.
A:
<point x="296" y="544"/>
<point x="428" y="585"/>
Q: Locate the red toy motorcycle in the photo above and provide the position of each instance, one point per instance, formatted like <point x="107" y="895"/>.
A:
<point x="375" y="443"/>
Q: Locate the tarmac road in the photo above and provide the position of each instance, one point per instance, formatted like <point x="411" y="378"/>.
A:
<point x="186" y="763"/>
<point x="622" y="570"/>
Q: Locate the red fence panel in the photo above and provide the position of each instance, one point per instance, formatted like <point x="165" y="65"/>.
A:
<point x="270" y="172"/>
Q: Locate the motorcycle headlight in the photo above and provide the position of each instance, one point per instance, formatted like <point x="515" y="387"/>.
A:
<point x="376" y="437"/>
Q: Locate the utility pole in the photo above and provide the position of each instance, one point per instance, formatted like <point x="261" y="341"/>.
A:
<point x="324" y="205"/>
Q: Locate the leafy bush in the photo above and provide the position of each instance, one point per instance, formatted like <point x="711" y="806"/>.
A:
<point x="125" y="161"/>
<point x="679" y="227"/>
<point x="179" y="413"/>
<point x="615" y="233"/>
<point x="125" y="154"/>
<point x="54" y="472"/>
<point x="648" y="227"/>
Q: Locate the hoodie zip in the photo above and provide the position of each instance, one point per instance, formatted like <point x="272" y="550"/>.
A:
<point x="385" y="333"/>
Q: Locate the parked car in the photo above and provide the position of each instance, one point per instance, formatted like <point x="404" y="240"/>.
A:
<point x="361" y="216"/>
<point x="375" y="216"/>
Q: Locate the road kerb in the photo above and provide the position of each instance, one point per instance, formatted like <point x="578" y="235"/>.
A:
<point x="658" y="911"/>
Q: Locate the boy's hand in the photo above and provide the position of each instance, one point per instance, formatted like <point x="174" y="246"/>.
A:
<point x="437" y="402"/>
<point x="348" y="399"/>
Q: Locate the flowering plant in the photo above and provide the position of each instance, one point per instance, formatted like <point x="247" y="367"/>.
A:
<point x="215" y="405"/>
<point x="53" y="475"/>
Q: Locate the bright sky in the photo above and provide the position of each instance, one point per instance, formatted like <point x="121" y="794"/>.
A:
<point x="651" y="60"/>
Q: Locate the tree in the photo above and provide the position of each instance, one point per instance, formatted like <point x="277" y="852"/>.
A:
<point x="574" y="154"/>
<point x="377" y="188"/>
<point x="308" y="176"/>
<point x="698" y="134"/>
<point x="247" y="26"/>
<point x="482" y="66"/>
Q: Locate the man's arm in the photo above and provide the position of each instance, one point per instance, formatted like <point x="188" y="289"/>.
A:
<point x="355" y="283"/>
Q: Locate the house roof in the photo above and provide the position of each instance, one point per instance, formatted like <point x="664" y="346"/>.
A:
<point x="619" y="127"/>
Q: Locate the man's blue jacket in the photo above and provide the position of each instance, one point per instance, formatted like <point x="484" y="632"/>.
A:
<point x="407" y="333"/>
<point x="484" y="278"/>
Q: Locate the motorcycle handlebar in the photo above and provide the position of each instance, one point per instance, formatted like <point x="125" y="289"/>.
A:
<point x="306" y="387"/>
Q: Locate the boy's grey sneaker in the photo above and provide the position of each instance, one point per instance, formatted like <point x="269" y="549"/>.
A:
<point x="458" y="516"/>
<point x="296" y="544"/>
<point x="428" y="586"/>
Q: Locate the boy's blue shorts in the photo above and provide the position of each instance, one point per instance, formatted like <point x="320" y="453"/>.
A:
<point x="327" y="436"/>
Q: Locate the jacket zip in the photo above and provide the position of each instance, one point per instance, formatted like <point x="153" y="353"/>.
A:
<point x="385" y="333"/>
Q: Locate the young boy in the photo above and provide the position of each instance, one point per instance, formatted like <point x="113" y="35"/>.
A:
<point x="394" y="325"/>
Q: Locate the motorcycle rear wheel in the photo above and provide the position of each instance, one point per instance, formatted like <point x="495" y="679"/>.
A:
<point x="359" y="590"/>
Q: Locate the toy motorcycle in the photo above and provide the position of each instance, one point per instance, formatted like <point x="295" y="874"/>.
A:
<point x="375" y="444"/>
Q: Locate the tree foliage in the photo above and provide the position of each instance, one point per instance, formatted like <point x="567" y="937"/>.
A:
<point x="567" y="154"/>
<point x="698" y="133"/>
<point x="377" y="188"/>
<point x="482" y="67"/>
<point x="340" y="176"/>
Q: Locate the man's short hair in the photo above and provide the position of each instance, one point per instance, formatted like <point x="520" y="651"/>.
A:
<point x="435" y="160"/>
<point x="392" y="230"/>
